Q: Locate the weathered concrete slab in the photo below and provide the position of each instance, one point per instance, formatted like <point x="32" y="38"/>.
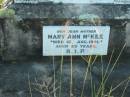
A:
<point x="76" y="1"/>
<point x="23" y="39"/>
<point x="75" y="11"/>
<point x="15" y="78"/>
<point x="14" y="81"/>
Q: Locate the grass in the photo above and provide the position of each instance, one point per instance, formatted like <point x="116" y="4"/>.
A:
<point x="56" y="90"/>
<point x="30" y="89"/>
<point x="99" y="91"/>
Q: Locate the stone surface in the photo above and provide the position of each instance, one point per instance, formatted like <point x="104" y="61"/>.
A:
<point x="22" y="39"/>
<point x="119" y="75"/>
<point x="17" y="42"/>
<point x="21" y="59"/>
<point x="15" y="77"/>
<point x="67" y="11"/>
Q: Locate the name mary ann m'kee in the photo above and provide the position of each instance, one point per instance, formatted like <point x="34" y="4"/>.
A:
<point x="75" y="36"/>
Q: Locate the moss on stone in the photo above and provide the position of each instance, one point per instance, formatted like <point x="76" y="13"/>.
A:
<point x="7" y="13"/>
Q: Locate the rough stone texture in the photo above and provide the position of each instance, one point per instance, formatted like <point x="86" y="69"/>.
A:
<point x="50" y="10"/>
<point x="23" y="39"/>
<point x="1" y="38"/>
<point x="42" y="72"/>
<point x="15" y="78"/>
<point x="17" y="42"/>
